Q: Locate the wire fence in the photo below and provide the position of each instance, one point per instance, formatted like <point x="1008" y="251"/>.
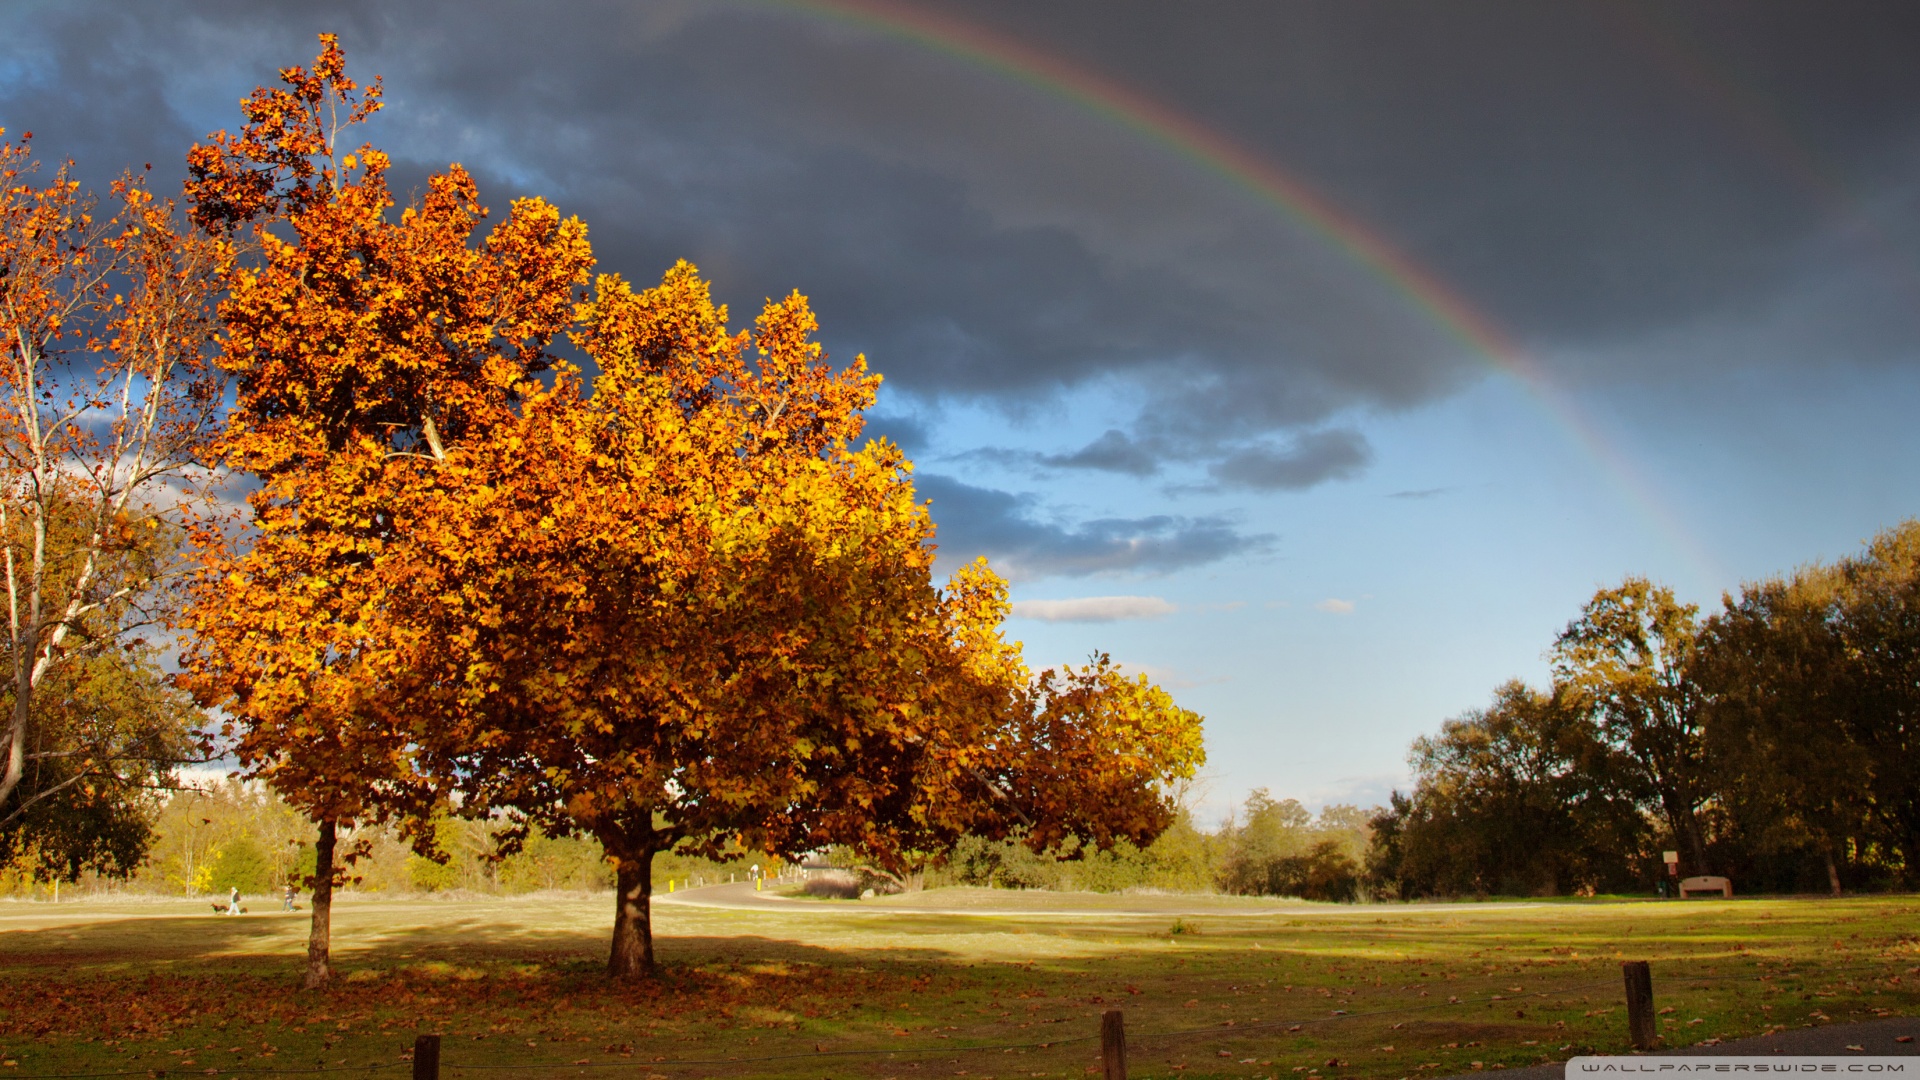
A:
<point x="1143" y="1040"/>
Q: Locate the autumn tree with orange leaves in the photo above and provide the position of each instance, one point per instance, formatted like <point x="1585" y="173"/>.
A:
<point x="110" y="404"/>
<point x="692" y="615"/>
<point x="668" y="605"/>
<point x="362" y="347"/>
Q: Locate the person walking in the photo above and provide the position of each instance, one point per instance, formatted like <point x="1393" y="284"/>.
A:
<point x="233" y="900"/>
<point x="287" y="904"/>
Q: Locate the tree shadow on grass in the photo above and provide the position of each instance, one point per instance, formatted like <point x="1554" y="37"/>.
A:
<point x="521" y="983"/>
<point x="535" y="996"/>
<point x="118" y="942"/>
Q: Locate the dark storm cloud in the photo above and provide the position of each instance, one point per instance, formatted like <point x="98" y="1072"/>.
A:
<point x="1114" y="451"/>
<point x="1294" y="464"/>
<point x="1575" y="168"/>
<point x="977" y="521"/>
<point x="1579" y="171"/>
<point x="1632" y="191"/>
<point x="909" y="433"/>
<point x="85" y="98"/>
<point x="1306" y="460"/>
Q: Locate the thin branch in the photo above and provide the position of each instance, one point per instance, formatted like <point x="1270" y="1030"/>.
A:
<point x="433" y="437"/>
<point x="20" y="810"/>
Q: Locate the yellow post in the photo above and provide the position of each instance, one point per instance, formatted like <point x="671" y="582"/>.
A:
<point x="756" y="884"/>
<point x="669" y="884"/>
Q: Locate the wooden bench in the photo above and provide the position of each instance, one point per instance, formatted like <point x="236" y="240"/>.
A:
<point x="1705" y="884"/>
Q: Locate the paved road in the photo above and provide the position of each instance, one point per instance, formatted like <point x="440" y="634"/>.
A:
<point x="1878" y="1037"/>
<point x="741" y="896"/>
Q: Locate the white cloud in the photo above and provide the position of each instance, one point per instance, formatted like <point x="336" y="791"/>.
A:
<point x="1093" y="609"/>
<point x="1362" y="791"/>
<point x="1333" y="606"/>
<point x="207" y="777"/>
<point x="1170" y="678"/>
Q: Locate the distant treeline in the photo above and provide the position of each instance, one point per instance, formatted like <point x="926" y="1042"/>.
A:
<point x="232" y="835"/>
<point x="1776" y="742"/>
<point x="1269" y="847"/>
<point x="243" y="836"/>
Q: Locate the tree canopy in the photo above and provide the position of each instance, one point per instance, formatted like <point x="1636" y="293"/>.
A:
<point x="110" y="403"/>
<point x="663" y="596"/>
<point x="1774" y="741"/>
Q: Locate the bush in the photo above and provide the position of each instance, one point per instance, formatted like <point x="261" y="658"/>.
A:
<point x="548" y="862"/>
<point x="833" y="885"/>
<point x="1181" y="859"/>
<point x="240" y="864"/>
<point x="1278" y="848"/>
<point x="1323" y="873"/>
<point x="429" y="876"/>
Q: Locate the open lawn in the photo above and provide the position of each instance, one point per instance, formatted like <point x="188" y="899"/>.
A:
<point x="1210" y="987"/>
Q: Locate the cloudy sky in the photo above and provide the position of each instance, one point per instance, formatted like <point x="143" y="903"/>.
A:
<point x="1318" y="358"/>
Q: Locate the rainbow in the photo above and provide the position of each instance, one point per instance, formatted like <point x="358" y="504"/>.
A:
<point x="1125" y="108"/>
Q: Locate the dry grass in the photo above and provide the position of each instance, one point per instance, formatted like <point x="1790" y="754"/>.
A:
<point x="146" y="987"/>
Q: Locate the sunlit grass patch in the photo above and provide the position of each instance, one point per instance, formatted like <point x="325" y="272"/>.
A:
<point x="1385" y="991"/>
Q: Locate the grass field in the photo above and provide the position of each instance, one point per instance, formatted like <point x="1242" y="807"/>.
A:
<point x="1209" y="987"/>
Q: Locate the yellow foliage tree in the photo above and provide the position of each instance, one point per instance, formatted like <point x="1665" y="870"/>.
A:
<point x="108" y="401"/>
<point x="670" y="605"/>
<point x="361" y="348"/>
<point x="685" y="612"/>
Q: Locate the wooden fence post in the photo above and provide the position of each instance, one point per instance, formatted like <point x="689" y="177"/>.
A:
<point x="1642" y="1028"/>
<point x="1113" y="1045"/>
<point x="426" y="1057"/>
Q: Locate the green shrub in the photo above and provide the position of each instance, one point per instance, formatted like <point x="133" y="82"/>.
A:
<point x="240" y="864"/>
<point x="430" y="876"/>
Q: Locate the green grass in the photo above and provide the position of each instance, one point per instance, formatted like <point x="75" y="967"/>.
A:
<point x="146" y="987"/>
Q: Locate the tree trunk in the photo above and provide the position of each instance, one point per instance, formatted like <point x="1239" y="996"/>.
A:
<point x="633" y="915"/>
<point x="16" y="768"/>
<point x="1833" y="872"/>
<point x="319" y="936"/>
<point x="1687" y="834"/>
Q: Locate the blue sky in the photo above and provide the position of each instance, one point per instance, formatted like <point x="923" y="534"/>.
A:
<point x="1124" y="375"/>
<point x="1462" y="584"/>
